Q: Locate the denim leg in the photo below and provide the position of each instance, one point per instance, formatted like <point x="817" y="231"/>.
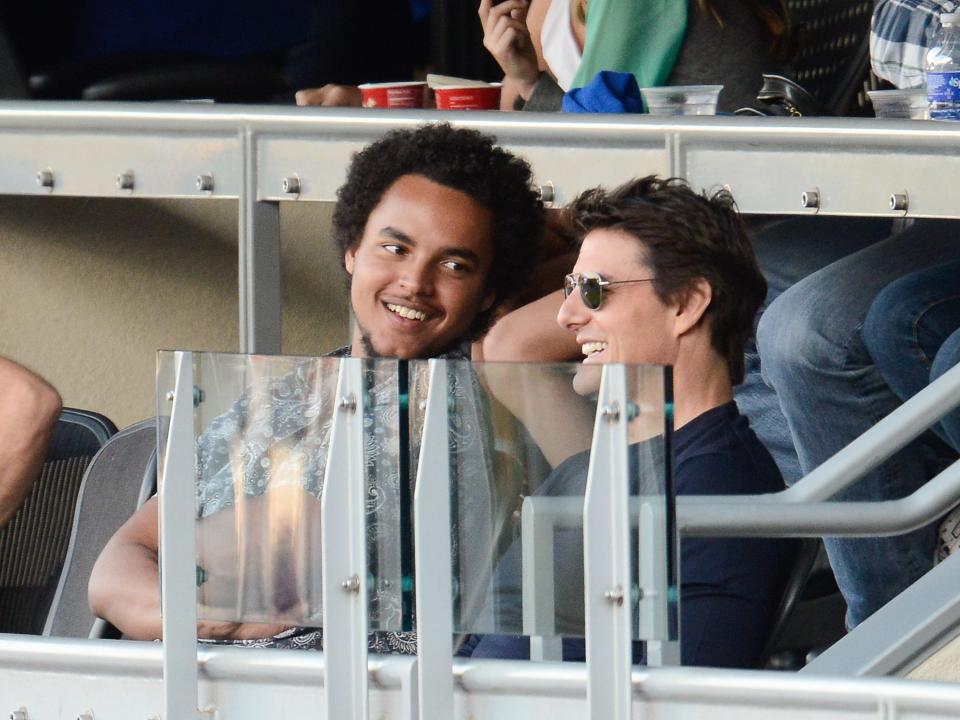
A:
<point x="830" y="392"/>
<point x="908" y="324"/>
<point x="947" y="358"/>
<point x="786" y="256"/>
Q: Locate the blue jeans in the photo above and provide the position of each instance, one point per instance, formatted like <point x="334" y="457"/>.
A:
<point x="912" y="332"/>
<point x="831" y="392"/>
<point x="786" y="256"/>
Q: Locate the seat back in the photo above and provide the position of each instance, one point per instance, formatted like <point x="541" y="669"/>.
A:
<point x="34" y="542"/>
<point x="833" y="60"/>
<point x="119" y="480"/>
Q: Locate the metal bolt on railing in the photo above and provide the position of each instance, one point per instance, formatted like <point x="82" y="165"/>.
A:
<point x="291" y="185"/>
<point x="810" y="200"/>
<point x="611" y="412"/>
<point x="170" y="395"/>
<point x="125" y="180"/>
<point x="614" y="596"/>
<point x="87" y="715"/>
<point x="348" y="403"/>
<point x="20" y="714"/>
<point x="45" y="179"/>
<point x="205" y="183"/>
<point x="547" y="193"/>
<point x="899" y="202"/>
<point x="351" y="584"/>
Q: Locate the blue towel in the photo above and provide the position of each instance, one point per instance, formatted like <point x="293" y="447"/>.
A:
<point x="608" y="92"/>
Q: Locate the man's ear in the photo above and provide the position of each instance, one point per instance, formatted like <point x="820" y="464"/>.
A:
<point x="692" y="305"/>
<point x="349" y="258"/>
<point x="487" y="301"/>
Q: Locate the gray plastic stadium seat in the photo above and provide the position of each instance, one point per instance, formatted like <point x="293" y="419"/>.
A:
<point x="118" y="480"/>
<point x="33" y="544"/>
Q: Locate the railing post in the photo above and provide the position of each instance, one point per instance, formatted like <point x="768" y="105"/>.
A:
<point x="606" y="555"/>
<point x="344" y="552"/>
<point x="259" y="260"/>
<point x="178" y="553"/>
<point x="537" y="526"/>
<point x="432" y="554"/>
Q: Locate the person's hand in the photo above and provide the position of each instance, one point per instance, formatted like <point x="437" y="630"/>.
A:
<point x="223" y="630"/>
<point x="330" y="95"/>
<point x="506" y="37"/>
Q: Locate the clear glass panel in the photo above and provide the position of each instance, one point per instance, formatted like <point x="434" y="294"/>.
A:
<point x="262" y="426"/>
<point x="520" y="437"/>
<point x="518" y="449"/>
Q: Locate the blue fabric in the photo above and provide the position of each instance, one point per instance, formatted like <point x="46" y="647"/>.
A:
<point x="729" y="587"/>
<point x="813" y="354"/>
<point x="912" y="332"/>
<point x="900" y="35"/>
<point x="608" y="92"/>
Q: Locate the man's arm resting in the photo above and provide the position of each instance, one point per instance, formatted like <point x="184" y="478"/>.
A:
<point x="124" y="586"/>
<point x="29" y="409"/>
<point x="125" y="583"/>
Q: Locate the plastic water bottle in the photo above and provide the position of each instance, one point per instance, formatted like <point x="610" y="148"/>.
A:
<point x="943" y="70"/>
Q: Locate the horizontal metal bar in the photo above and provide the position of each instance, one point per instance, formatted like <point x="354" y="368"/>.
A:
<point x="768" y="516"/>
<point x="543" y="126"/>
<point x="763" y="516"/>
<point x="881" y="441"/>
<point x="271" y="666"/>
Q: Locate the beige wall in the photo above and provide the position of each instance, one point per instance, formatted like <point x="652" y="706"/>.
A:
<point x="91" y="288"/>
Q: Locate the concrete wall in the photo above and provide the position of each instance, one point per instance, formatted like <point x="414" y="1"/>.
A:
<point x="91" y="288"/>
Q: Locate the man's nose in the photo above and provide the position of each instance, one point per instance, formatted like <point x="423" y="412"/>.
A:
<point x="572" y="312"/>
<point x="417" y="279"/>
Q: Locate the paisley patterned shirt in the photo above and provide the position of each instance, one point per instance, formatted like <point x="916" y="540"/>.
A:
<point x="277" y="434"/>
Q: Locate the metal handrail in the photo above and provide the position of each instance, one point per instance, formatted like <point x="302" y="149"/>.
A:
<point x="802" y="511"/>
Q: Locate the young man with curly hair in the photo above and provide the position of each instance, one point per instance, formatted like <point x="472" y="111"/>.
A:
<point x="437" y="226"/>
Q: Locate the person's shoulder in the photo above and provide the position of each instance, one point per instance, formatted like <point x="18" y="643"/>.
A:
<point x="718" y="453"/>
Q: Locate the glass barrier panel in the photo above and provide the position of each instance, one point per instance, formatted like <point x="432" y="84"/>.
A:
<point x="519" y="453"/>
<point x="262" y="426"/>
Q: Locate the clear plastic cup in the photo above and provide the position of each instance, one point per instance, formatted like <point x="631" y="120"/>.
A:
<point x="910" y="103"/>
<point x="682" y="99"/>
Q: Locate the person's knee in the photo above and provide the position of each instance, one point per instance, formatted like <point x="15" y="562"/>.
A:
<point x="887" y="327"/>
<point x="947" y="358"/>
<point x="789" y="337"/>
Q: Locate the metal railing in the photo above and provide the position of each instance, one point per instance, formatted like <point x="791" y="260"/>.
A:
<point x="264" y="155"/>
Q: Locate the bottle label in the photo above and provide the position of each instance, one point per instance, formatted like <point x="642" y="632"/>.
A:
<point x="943" y="87"/>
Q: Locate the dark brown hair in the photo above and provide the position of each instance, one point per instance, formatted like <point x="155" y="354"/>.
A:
<point x="683" y="237"/>
<point x="464" y="160"/>
<point x="772" y="14"/>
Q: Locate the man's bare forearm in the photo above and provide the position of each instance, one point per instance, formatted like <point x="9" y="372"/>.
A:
<point x="125" y="582"/>
<point x="29" y="408"/>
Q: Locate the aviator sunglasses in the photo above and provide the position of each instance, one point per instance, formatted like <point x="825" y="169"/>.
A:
<point x="591" y="286"/>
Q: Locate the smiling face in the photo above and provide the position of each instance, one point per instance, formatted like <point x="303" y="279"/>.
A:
<point x="632" y="324"/>
<point x="419" y="271"/>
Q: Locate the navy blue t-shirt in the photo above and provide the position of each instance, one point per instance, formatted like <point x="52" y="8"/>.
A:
<point x="729" y="587"/>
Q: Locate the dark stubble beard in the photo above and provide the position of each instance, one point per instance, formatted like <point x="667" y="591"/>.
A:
<point x="371" y="352"/>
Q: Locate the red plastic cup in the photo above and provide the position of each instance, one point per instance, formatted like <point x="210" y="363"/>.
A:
<point x="393" y="95"/>
<point x="454" y="97"/>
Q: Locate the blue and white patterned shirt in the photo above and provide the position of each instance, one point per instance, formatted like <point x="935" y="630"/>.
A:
<point x="900" y="35"/>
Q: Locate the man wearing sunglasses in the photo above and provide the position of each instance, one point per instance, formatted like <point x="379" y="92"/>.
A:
<point x="667" y="276"/>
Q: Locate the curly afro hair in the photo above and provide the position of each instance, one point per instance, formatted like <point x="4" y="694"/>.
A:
<point x="464" y="160"/>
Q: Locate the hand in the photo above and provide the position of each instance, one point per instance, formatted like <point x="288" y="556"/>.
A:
<point x="223" y="630"/>
<point x="330" y="95"/>
<point x="506" y="37"/>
